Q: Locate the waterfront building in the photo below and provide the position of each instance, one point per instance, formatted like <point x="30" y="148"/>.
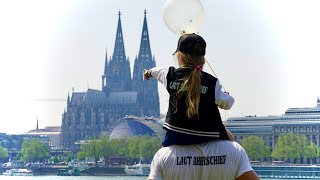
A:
<point x="92" y="113"/>
<point x="13" y="142"/>
<point x="52" y="132"/>
<point x="304" y="121"/>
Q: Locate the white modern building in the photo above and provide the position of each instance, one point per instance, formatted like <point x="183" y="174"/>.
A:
<point x="295" y="120"/>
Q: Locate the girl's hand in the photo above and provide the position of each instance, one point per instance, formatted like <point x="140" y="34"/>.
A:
<point x="146" y="74"/>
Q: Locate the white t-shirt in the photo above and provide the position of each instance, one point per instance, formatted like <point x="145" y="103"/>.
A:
<point x="216" y="160"/>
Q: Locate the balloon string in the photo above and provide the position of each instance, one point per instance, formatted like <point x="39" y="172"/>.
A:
<point x="225" y="112"/>
<point x="214" y="74"/>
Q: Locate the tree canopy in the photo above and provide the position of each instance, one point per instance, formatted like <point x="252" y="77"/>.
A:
<point x="33" y="150"/>
<point x="294" y="146"/>
<point x="134" y="148"/>
<point x="255" y="147"/>
<point x="3" y="153"/>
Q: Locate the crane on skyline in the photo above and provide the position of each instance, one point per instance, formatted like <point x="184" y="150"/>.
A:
<point x="53" y="99"/>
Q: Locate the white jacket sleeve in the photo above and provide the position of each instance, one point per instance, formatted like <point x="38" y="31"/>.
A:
<point x="159" y="74"/>
<point x="223" y="100"/>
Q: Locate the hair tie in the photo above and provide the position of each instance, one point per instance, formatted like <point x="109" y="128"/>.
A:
<point x="199" y="68"/>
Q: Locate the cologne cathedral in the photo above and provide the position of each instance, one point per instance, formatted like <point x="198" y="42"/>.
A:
<point x="92" y="113"/>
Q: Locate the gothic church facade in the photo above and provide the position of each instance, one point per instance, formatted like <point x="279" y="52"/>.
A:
<point x="92" y="113"/>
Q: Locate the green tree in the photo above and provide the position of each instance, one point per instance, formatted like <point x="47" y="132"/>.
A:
<point x="311" y="151"/>
<point x="293" y="146"/>
<point x="81" y="155"/>
<point x="56" y="160"/>
<point x="148" y="146"/>
<point x="3" y="153"/>
<point x="284" y="147"/>
<point x="33" y="150"/>
<point x="155" y="145"/>
<point x="143" y="146"/>
<point x="120" y="147"/>
<point x="68" y="156"/>
<point x="300" y="145"/>
<point x="255" y="147"/>
<point x="90" y="149"/>
<point x="133" y="147"/>
<point x="105" y="148"/>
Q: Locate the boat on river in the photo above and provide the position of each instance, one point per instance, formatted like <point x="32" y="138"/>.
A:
<point x="138" y="169"/>
<point x="18" y="172"/>
<point x="68" y="172"/>
<point x="287" y="171"/>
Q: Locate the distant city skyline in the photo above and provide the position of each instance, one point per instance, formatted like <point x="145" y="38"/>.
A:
<point x="265" y="53"/>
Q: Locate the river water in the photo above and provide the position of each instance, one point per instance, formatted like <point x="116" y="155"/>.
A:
<point x="72" y="178"/>
<point x="79" y="178"/>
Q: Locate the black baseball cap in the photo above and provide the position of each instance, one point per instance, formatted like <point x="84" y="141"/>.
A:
<point x="192" y="44"/>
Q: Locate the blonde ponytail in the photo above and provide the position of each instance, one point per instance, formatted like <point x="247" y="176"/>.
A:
<point x="192" y="83"/>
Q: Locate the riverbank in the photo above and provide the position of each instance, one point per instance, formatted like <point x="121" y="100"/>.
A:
<point x="89" y="171"/>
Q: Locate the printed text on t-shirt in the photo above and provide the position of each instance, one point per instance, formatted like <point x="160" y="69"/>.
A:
<point x="202" y="160"/>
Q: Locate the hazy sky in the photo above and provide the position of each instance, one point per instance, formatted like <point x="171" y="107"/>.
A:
<point x="265" y="52"/>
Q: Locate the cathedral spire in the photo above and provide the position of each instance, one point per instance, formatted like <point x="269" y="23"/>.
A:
<point x="106" y="64"/>
<point x="37" y="128"/>
<point x="119" y="51"/>
<point x="144" y="59"/>
<point x="117" y="75"/>
<point x="150" y="88"/>
<point x="145" y="49"/>
<point x="105" y="72"/>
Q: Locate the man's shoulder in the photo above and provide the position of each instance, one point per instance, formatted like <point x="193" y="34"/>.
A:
<point x="220" y="143"/>
<point x="167" y="150"/>
<point x="225" y="144"/>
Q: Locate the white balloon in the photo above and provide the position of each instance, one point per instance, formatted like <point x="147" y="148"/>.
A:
<point x="183" y="16"/>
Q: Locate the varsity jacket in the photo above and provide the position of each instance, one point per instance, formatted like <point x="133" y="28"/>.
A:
<point x="209" y="123"/>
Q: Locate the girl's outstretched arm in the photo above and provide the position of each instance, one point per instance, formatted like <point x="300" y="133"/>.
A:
<point x="223" y="99"/>
<point x="158" y="73"/>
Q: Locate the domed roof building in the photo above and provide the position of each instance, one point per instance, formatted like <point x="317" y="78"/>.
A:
<point x="135" y="126"/>
<point x="131" y="128"/>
